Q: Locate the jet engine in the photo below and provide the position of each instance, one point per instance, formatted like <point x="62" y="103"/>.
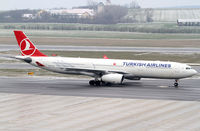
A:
<point x="113" y="78"/>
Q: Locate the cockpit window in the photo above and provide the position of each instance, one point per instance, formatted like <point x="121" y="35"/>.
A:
<point x="188" y="68"/>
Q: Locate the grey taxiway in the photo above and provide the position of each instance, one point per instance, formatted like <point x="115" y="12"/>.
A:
<point x="189" y="89"/>
<point x="41" y="103"/>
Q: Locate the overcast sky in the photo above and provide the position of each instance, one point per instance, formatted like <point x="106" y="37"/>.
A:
<point x="45" y="4"/>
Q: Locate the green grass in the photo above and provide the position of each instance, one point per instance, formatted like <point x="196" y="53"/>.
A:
<point x="99" y="34"/>
<point x="135" y="27"/>
<point x="8" y="61"/>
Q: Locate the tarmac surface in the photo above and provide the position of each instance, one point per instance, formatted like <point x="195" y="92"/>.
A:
<point x="52" y="103"/>
<point x="189" y="89"/>
<point x="106" y="48"/>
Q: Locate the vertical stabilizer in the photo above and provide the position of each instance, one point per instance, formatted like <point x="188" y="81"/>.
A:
<point x="27" y="48"/>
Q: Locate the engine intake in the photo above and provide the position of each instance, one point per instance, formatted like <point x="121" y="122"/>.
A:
<point x="113" y="78"/>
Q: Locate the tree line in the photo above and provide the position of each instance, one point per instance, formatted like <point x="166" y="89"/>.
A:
<point x="100" y="27"/>
<point x="110" y="14"/>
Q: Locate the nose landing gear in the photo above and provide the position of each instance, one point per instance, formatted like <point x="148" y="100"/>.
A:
<point x="176" y="84"/>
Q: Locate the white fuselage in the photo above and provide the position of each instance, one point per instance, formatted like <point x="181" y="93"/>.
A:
<point x="134" y="68"/>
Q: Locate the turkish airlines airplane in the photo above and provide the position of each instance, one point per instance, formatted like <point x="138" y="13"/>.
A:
<point x="104" y="71"/>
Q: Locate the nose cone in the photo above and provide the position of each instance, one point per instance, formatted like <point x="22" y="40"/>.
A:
<point x="193" y="72"/>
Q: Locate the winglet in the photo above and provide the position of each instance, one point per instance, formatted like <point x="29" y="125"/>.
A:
<point x="105" y="57"/>
<point x="27" y="48"/>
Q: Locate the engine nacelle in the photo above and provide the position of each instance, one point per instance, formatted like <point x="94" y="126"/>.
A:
<point x="113" y="78"/>
<point x="131" y="77"/>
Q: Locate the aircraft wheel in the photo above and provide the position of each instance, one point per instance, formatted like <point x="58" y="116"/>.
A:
<point x="176" y="85"/>
<point x="92" y="82"/>
<point x="108" y="84"/>
<point x="98" y="83"/>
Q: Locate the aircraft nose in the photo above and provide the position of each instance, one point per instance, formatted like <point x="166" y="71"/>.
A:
<point x="194" y="72"/>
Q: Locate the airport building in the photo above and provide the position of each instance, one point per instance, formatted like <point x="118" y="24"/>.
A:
<point x="188" y="22"/>
<point x="73" y="13"/>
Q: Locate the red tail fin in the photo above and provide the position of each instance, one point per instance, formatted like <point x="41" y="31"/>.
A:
<point x="27" y="48"/>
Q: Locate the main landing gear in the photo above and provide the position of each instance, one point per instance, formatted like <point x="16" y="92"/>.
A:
<point x="95" y="83"/>
<point x="99" y="83"/>
<point x="176" y="84"/>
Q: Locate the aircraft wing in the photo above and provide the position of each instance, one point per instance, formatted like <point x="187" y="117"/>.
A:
<point x="22" y="58"/>
<point x="96" y="72"/>
<point x="93" y="73"/>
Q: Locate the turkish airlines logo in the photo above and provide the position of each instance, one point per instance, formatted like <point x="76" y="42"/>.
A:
<point x="27" y="48"/>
